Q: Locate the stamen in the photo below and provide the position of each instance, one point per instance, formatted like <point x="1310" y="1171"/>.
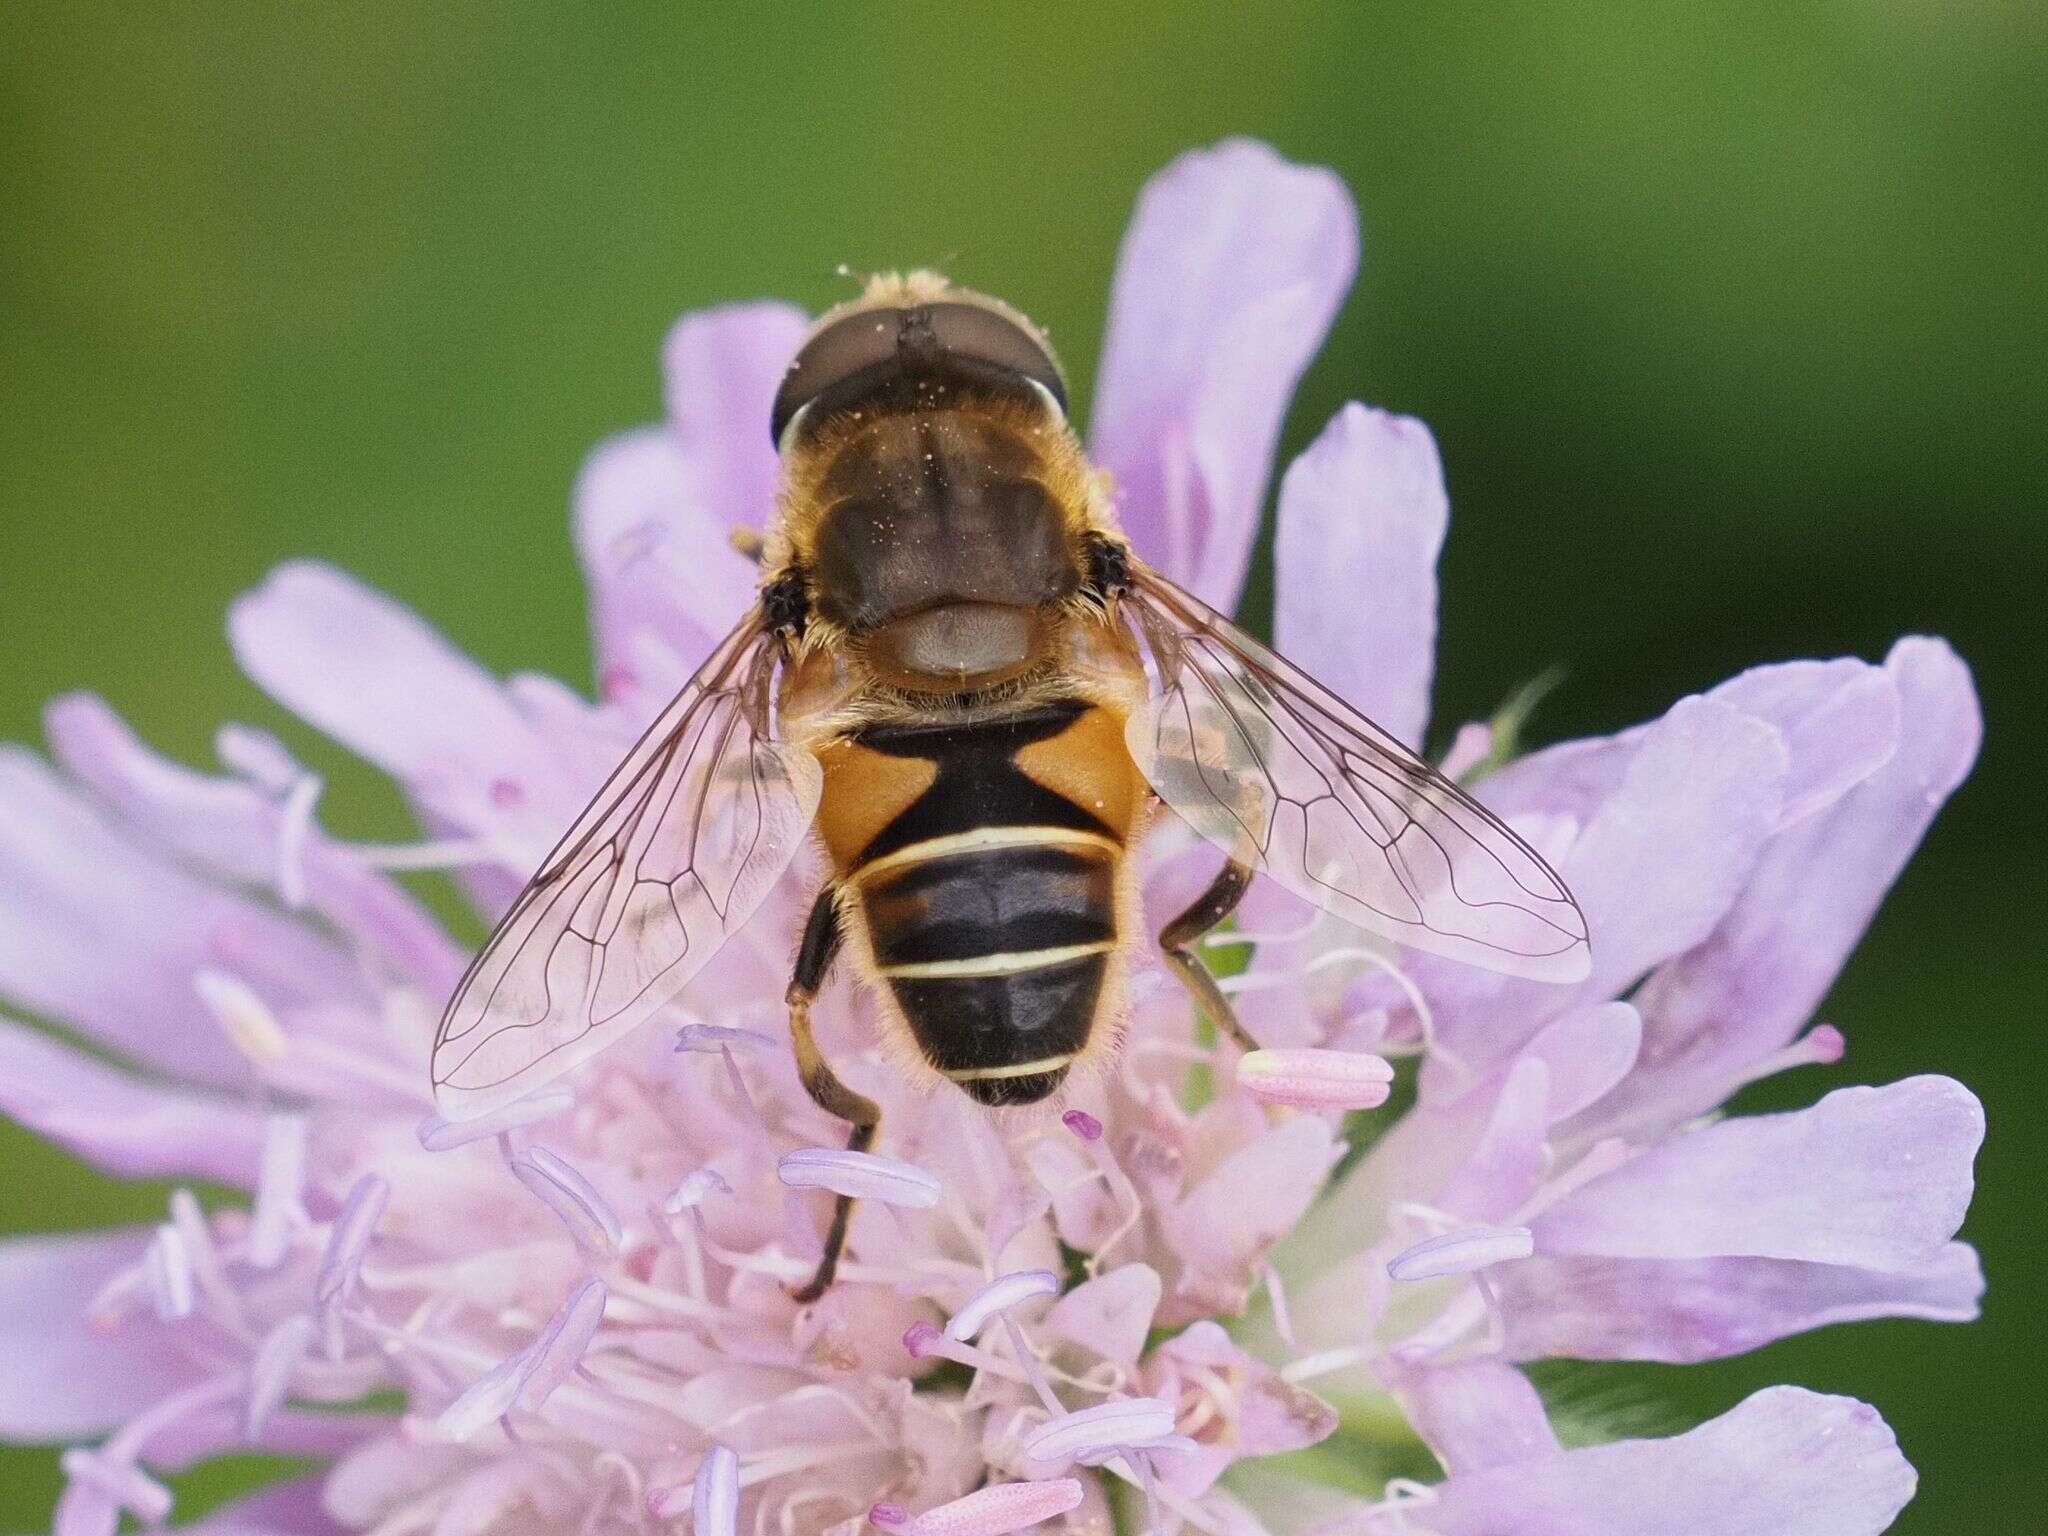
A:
<point x="1032" y="1367"/>
<point x="438" y="1134"/>
<point x="1128" y="1423"/>
<point x="167" y="1266"/>
<point x="342" y="1263"/>
<point x="1322" y="1362"/>
<point x="1821" y="1046"/>
<point x="1824" y="1045"/>
<point x="619" y="682"/>
<point x="711" y="1038"/>
<point x="1603" y="1157"/>
<point x="694" y="1190"/>
<point x="559" y="1350"/>
<point x="1462" y="1252"/>
<point x="1150" y="1484"/>
<point x="323" y="1056"/>
<point x="1177" y="1443"/>
<point x="996" y="1510"/>
<point x="488" y="1399"/>
<point x="1276" y="1293"/>
<point x="570" y="1196"/>
<point x="278" y="1357"/>
<point x="861" y="1175"/>
<point x="280" y="1190"/>
<point x="258" y="757"/>
<point x="1310" y="1078"/>
<point x="921" y="1339"/>
<point x="527" y="1379"/>
<point x="1226" y="938"/>
<point x="1082" y="1124"/>
<point x="715" y="1494"/>
<point x="294" y="831"/>
<point x="242" y="1016"/>
<point x="1449" y="1327"/>
<point x="197" y="1233"/>
<point x="445" y="853"/>
<point x="998" y="1296"/>
<point x="141" y="1495"/>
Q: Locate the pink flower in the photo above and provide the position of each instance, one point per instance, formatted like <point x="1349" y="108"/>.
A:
<point x="581" y="1300"/>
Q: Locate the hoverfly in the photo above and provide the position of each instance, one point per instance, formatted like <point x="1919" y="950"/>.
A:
<point x="961" y="680"/>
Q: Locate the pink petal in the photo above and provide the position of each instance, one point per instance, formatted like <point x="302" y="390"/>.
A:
<point x="658" y="553"/>
<point x="1839" y="720"/>
<point x="720" y="370"/>
<point x="1704" y="1309"/>
<point x="1362" y="517"/>
<point x="1755" y="982"/>
<point x="1261" y="1414"/>
<point x="1476" y="1414"/>
<point x="1233" y="267"/>
<point x="374" y="676"/>
<point x="1110" y="1316"/>
<point x="233" y="829"/>
<point x="1227" y="1223"/>
<point x="68" y="1376"/>
<point x="1871" y="1177"/>
<point x="102" y="935"/>
<point x="121" y="1123"/>
<point x="1656" y="867"/>
<point x="656" y="508"/>
<point x="1509" y="1160"/>
<point x="1588" y="1053"/>
<point x="1784" y="1460"/>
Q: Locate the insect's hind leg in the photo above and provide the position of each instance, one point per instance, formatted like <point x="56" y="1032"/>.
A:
<point x="1177" y="938"/>
<point x="813" y="959"/>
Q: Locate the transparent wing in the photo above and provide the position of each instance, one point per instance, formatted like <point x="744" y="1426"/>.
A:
<point x="677" y="850"/>
<point x="1268" y="764"/>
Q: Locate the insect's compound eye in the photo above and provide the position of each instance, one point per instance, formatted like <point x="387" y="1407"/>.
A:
<point x="876" y="352"/>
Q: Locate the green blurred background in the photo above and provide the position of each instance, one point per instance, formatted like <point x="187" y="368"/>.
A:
<point x="1729" y="319"/>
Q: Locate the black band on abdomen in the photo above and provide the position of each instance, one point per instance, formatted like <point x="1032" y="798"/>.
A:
<point x="995" y="901"/>
<point x="987" y="1027"/>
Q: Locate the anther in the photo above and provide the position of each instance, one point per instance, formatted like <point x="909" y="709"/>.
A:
<point x="860" y="1176"/>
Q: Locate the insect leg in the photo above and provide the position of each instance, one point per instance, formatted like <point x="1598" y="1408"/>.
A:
<point x="813" y="959"/>
<point x="748" y="541"/>
<point x="1208" y="909"/>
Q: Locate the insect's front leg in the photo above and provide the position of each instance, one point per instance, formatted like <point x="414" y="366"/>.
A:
<point x="813" y="959"/>
<point x="1177" y="938"/>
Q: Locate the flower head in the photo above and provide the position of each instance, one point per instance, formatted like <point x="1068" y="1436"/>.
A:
<point x="575" y="1313"/>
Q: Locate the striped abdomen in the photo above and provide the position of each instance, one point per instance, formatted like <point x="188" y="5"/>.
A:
<point x="991" y="900"/>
